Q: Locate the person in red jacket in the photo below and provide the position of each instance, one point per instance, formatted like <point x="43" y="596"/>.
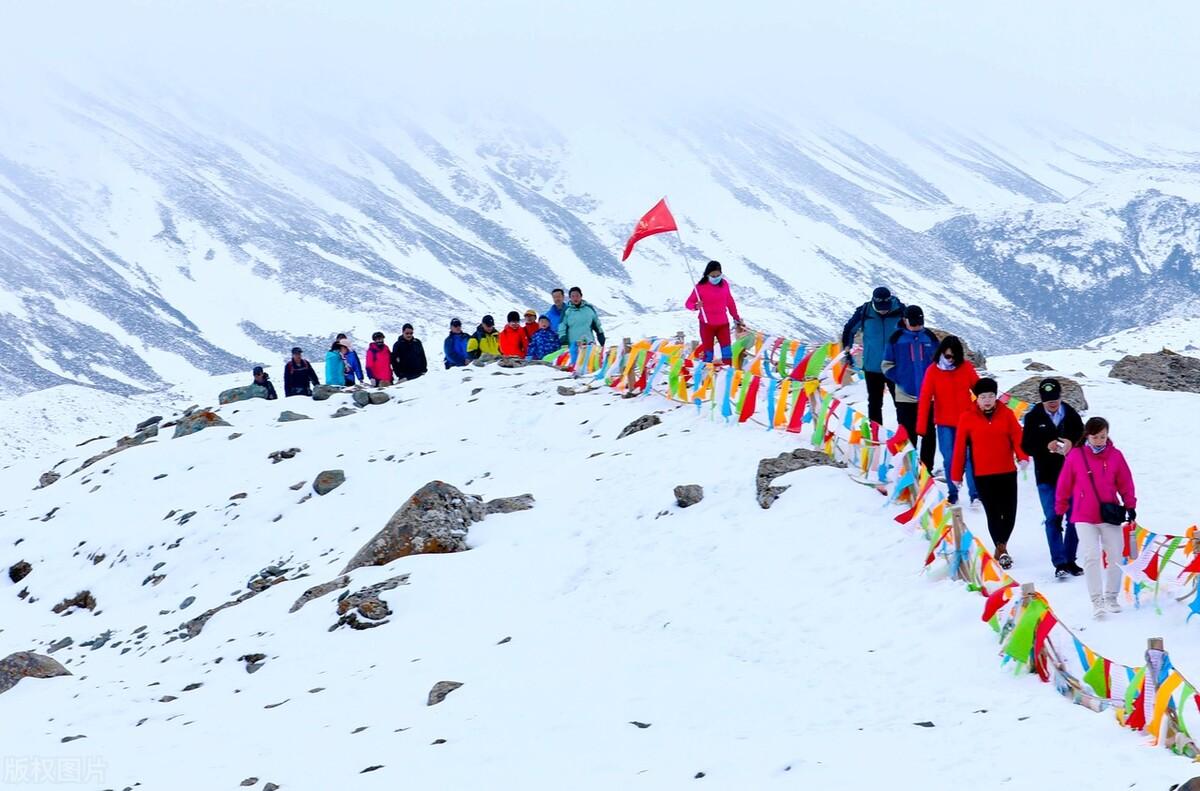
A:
<point x="713" y="297"/>
<point x="1095" y="474"/>
<point x="513" y="340"/>
<point x="991" y="436"/>
<point x="946" y="390"/>
<point x="379" y="361"/>
<point x="531" y="324"/>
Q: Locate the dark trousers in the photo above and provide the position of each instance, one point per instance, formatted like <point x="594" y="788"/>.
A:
<point x="906" y="415"/>
<point x="1063" y="544"/>
<point x="875" y="384"/>
<point x="998" y="494"/>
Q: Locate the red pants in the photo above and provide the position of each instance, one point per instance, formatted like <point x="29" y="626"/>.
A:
<point x="719" y="333"/>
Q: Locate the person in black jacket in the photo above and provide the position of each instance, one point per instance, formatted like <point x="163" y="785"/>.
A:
<point x="262" y="380"/>
<point x="298" y="375"/>
<point x="408" y="356"/>
<point x="1052" y="428"/>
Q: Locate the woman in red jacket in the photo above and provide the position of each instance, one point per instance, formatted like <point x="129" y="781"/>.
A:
<point x="991" y="436"/>
<point x="947" y="391"/>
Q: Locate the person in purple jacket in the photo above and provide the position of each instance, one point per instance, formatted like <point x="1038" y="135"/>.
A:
<point x="1097" y="487"/>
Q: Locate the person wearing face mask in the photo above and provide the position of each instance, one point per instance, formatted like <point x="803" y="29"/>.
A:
<point x="878" y="320"/>
<point x="946" y="394"/>
<point x="1052" y="428"/>
<point x="1096" y="487"/>
<point x="990" y="434"/>
<point x="713" y="297"/>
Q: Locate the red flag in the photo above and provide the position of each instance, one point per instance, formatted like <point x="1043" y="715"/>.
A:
<point x="657" y="220"/>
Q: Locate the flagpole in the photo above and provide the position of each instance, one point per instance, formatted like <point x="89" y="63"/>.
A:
<point x="691" y="274"/>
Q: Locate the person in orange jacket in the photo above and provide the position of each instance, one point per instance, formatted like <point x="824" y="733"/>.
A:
<point x="946" y="391"/>
<point x="990" y="434"/>
<point x="513" y="340"/>
<point x="531" y="324"/>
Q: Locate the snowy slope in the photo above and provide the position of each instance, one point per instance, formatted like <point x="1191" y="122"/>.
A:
<point x="144" y="237"/>
<point x="762" y="648"/>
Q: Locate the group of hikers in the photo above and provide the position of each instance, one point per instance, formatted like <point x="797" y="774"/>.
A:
<point x="1084" y="483"/>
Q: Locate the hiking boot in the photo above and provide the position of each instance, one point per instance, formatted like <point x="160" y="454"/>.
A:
<point x="1005" y="560"/>
<point x="1110" y="603"/>
<point x="1073" y="569"/>
<point x="1061" y="573"/>
<point x="1097" y="607"/>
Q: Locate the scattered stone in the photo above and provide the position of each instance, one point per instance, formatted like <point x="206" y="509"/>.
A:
<point x="277" y="456"/>
<point x="317" y="591"/>
<point x="198" y="422"/>
<point x="476" y="391"/>
<point x="1072" y="391"/>
<point x="188" y="602"/>
<point x="366" y="603"/>
<point x="440" y="691"/>
<point x="270" y="787"/>
<point x="1036" y="366"/>
<point x="287" y="416"/>
<point x="148" y="422"/>
<point x="327" y="481"/>
<point x="362" y="397"/>
<point x="323" y="392"/>
<point x="58" y="645"/>
<point x="249" y="781"/>
<point x="66" y="739"/>
<point x="698" y="775"/>
<point x="26" y="664"/>
<point x="276" y="705"/>
<point x="167" y="699"/>
<point x="83" y="600"/>
<point x="925" y="724"/>
<point x="47" y="478"/>
<point x="641" y="424"/>
<point x="295" y="487"/>
<point x="642" y="725"/>
<point x="689" y="494"/>
<point x="193" y="687"/>
<point x="344" y="411"/>
<point x="437" y="741"/>
<point x="244" y="393"/>
<point x="770" y="469"/>
<point x="253" y="661"/>
<point x="509" y="505"/>
<point x="505" y="640"/>
<point x="160" y="476"/>
<point x="234" y="435"/>
<point x="138" y="438"/>
<point x="238" y="496"/>
<point x="379" y="398"/>
<point x="19" y="571"/>
<point x="1165" y="370"/>
<point x="99" y="641"/>
<point x="563" y="390"/>
<point x="371" y="769"/>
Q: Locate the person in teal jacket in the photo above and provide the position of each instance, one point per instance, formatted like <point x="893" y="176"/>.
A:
<point x="335" y="366"/>
<point x="877" y="319"/>
<point x="579" y="320"/>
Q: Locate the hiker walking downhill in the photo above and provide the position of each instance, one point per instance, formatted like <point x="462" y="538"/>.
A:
<point x="908" y="354"/>
<point x="379" y="361"/>
<point x="454" y="348"/>
<point x="1052" y="429"/>
<point x="1096" y="487"/>
<point x="945" y="396"/>
<point x="713" y="298"/>
<point x="298" y="375"/>
<point x="877" y="319"/>
<point x="408" y="356"/>
<point x="580" y="320"/>
<point x="991" y="436"/>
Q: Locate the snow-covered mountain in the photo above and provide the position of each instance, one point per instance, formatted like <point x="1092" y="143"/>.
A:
<point x="144" y="238"/>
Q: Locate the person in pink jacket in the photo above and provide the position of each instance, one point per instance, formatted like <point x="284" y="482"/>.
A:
<point x="379" y="360"/>
<point x="1095" y="474"/>
<point x="713" y="297"/>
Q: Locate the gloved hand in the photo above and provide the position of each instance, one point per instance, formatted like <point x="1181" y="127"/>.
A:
<point x="1130" y="515"/>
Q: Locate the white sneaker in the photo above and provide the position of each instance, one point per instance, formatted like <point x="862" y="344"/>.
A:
<point x="1097" y="607"/>
<point x="1110" y="603"/>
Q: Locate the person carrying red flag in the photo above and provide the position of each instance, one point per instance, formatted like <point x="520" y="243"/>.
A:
<point x="713" y="297"/>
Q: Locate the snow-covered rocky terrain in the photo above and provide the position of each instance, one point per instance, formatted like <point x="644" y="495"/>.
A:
<point x="605" y="637"/>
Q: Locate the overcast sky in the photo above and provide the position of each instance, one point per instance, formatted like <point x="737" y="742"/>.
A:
<point x="1068" y="61"/>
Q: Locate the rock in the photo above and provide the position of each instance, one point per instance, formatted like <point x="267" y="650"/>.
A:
<point x="770" y="469"/>
<point x="270" y="787"/>
<point x="59" y="645"/>
<point x="440" y="691"/>
<point x="361" y="397"/>
<point x="279" y="455"/>
<point x="367" y="604"/>
<point x="47" y="478"/>
<point x="295" y="487"/>
<point x="379" y="398"/>
<point x="244" y="393"/>
<point x="1165" y="370"/>
<point x="254" y="662"/>
<point x="1036" y="366"/>
<point x="512" y="362"/>
<point x="83" y="600"/>
<point x="641" y="424"/>
<point x="148" y="422"/>
<point x="238" y="496"/>
<point x="641" y="725"/>
<point x="508" y="505"/>
<point x="323" y="392"/>
<point x="234" y="435"/>
<point x="188" y="602"/>
<point x="287" y="416"/>
<point x="19" y="571"/>
<point x="327" y="481"/>
<point x="978" y="359"/>
<point x="689" y="494"/>
<point x="26" y="664"/>
<point x="197" y="422"/>
<point x="1072" y="391"/>
<point x="317" y="591"/>
<point x="66" y="739"/>
<point x="344" y="411"/>
<point x="250" y="781"/>
<point x="1190" y="785"/>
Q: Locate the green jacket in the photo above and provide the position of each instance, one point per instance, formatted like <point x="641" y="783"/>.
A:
<point x="578" y="323"/>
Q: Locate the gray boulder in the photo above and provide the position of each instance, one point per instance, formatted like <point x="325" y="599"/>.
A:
<point x="323" y="392"/>
<point x="19" y="571"/>
<point x="327" y="481"/>
<point x="1165" y="370"/>
<point x="148" y="422"/>
<point x="244" y="393"/>
<point x="641" y="424"/>
<point x="508" y="505"/>
<point x="770" y="469"/>
<point x="317" y="591"/>
<point x="434" y="520"/>
<point x="287" y="416"/>
<point x="1072" y="391"/>
<point x="1036" y="366"/>
<point x="344" y="411"/>
<point x="364" y="609"/>
<point x="47" y="478"/>
<point x="441" y="690"/>
<point x="688" y="494"/>
<point x="362" y="397"/>
<point x="379" y="398"/>
<point x="26" y="664"/>
<point x="197" y="421"/>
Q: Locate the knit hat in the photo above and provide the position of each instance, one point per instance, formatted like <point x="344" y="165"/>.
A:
<point x="881" y="294"/>
<point x="1050" y="390"/>
<point x="985" y="385"/>
<point x="514" y="316"/>
<point x="456" y="322"/>
<point x="914" y="316"/>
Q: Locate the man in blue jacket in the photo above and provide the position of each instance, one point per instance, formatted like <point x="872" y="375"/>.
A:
<point x="555" y="311"/>
<point x="909" y="353"/>
<point x="877" y="319"/>
<point x="454" y="348"/>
